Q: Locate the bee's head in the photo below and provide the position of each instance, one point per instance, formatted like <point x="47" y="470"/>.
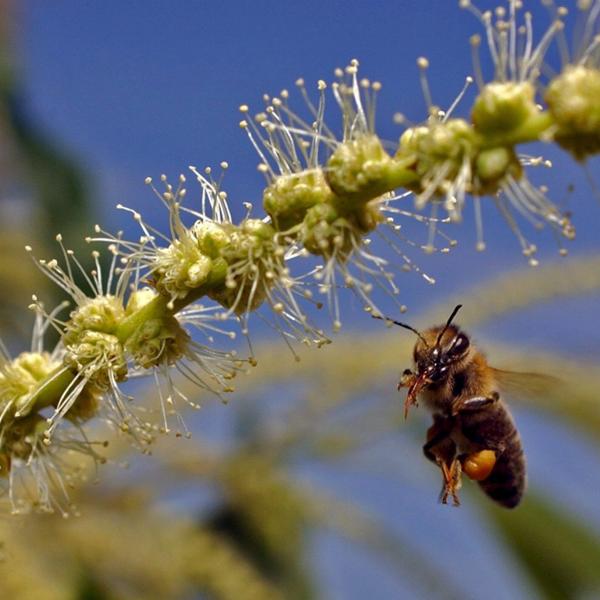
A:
<point x="438" y="351"/>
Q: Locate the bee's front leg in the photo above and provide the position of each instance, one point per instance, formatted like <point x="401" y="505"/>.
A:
<point x="407" y="379"/>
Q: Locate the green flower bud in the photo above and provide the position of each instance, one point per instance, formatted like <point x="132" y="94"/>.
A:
<point x="359" y="170"/>
<point x="93" y="351"/>
<point x="181" y="267"/>
<point x="33" y="366"/>
<point x="492" y="166"/>
<point x="20" y="377"/>
<point x="217" y="273"/>
<point x="288" y="198"/>
<point x="211" y="237"/>
<point x="502" y="107"/>
<point x="574" y="101"/>
<point x="94" y="354"/>
<point x="101" y="314"/>
<point x="440" y="147"/>
<point x="251" y="236"/>
<point x="158" y="341"/>
<point x="258" y="232"/>
<point x="254" y="260"/>
<point x="411" y="139"/>
<point x="322" y="213"/>
<point x="438" y="142"/>
<point x="325" y="231"/>
<point x="138" y="299"/>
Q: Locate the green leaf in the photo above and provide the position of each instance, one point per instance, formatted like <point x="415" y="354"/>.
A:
<point x="558" y="552"/>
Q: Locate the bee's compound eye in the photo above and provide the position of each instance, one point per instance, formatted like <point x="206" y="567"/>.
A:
<point x="459" y="346"/>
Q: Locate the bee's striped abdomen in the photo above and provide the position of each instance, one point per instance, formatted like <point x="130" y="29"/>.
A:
<point x="495" y="429"/>
<point x="506" y="483"/>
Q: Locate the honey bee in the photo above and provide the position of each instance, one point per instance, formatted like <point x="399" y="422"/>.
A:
<point x="473" y="431"/>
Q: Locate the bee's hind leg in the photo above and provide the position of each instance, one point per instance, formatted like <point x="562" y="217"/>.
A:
<point x="441" y="449"/>
<point x="452" y="481"/>
<point x="479" y="465"/>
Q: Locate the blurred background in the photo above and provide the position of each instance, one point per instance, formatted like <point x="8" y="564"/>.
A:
<point x="309" y="484"/>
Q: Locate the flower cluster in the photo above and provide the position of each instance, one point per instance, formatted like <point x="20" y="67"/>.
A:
<point x="328" y="194"/>
<point x="572" y="96"/>
<point x="33" y="471"/>
<point x="477" y="157"/>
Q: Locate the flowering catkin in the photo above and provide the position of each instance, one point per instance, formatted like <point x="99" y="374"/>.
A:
<point x="173" y="301"/>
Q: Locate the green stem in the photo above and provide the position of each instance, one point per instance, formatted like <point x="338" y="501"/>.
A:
<point x="55" y="384"/>
<point x="397" y="174"/>
<point x="215" y="280"/>
<point x="49" y="391"/>
<point x="156" y="308"/>
<point x="400" y="174"/>
<point x="532" y="130"/>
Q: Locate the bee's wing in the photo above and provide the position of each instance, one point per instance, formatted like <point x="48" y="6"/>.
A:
<point x="515" y="383"/>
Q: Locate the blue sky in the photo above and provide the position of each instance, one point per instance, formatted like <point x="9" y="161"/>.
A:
<point x="136" y="88"/>
<point x="141" y="88"/>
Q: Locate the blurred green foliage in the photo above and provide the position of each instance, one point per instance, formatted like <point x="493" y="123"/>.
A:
<point x="252" y="541"/>
<point x="43" y="191"/>
<point x="558" y="550"/>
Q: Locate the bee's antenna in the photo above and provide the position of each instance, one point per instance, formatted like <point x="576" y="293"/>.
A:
<point x="402" y="325"/>
<point x="448" y="323"/>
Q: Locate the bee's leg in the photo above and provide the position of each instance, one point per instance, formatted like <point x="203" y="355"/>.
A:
<point x="437" y="434"/>
<point x="407" y="379"/>
<point x="452" y="481"/>
<point x="475" y="403"/>
<point x="441" y="449"/>
<point x="478" y="465"/>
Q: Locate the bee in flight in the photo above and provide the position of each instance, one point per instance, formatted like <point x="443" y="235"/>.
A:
<point x="473" y="432"/>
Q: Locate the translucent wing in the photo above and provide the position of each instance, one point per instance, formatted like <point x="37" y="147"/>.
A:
<point x="530" y="385"/>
